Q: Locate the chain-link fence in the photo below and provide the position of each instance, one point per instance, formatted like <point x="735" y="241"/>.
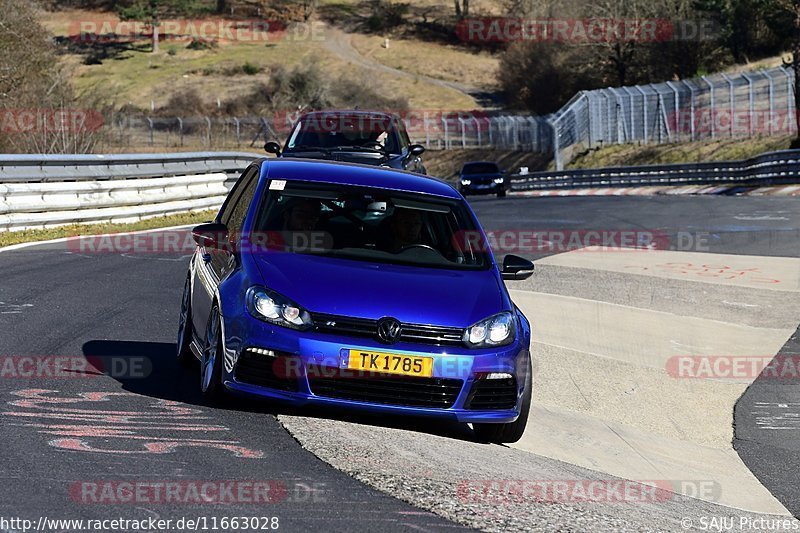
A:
<point x="709" y="107"/>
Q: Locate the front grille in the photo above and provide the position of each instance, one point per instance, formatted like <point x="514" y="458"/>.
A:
<point x="384" y="389"/>
<point x="364" y="327"/>
<point x="492" y="394"/>
<point x="265" y="371"/>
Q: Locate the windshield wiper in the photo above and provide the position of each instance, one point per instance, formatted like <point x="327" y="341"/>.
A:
<point x="383" y="152"/>
<point x="309" y="148"/>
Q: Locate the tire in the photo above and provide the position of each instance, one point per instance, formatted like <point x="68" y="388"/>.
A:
<point x="184" y="352"/>
<point x="512" y="431"/>
<point x="211" y="385"/>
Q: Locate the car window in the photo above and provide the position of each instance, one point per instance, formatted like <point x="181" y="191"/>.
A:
<point x="332" y="131"/>
<point x="369" y="224"/>
<point x="240" y="198"/>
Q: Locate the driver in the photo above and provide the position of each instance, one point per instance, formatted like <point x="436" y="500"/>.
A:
<point x="301" y="214"/>
<point x="405" y="229"/>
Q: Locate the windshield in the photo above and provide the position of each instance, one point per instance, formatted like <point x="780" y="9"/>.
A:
<point x="359" y="132"/>
<point x="367" y="224"/>
<point x="480" y="168"/>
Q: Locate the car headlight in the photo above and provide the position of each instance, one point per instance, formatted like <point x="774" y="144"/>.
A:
<point x="497" y="330"/>
<point x="466" y="182"/>
<point x="499" y="180"/>
<point x="274" y="308"/>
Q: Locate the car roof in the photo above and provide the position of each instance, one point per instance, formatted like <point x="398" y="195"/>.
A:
<point x="355" y="174"/>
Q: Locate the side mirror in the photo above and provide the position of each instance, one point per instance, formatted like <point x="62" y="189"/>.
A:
<point x="211" y="235"/>
<point x="273" y="148"/>
<point x="415" y="149"/>
<point x="516" y="268"/>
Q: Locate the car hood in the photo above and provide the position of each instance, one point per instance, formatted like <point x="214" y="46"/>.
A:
<point x="455" y="298"/>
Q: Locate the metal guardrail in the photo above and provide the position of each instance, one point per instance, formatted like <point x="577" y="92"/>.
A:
<point x="42" y="168"/>
<point x="38" y="191"/>
<point x="773" y="168"/>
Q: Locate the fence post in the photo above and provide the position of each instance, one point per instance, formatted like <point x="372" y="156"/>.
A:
<point x="751" y="109"/>
<point x="713" y="108"/>
<point x="767" y="75"/>
<point x="691" y="107"/>
<point x="463" y="132"/>
<point x="630" y="111"/>
<point x="446" y="134"/>
<point x="180" y="128"/>
<point x="556" y="147"/>
<point x="790" y="95"/>
<point x="677" y="100"/>
<point x="150" y="125"/>
<point x="238" y="132"/>
<point x="644" y="111"/>
<point x="733" y="101"/>
<point x="208" y="132"/>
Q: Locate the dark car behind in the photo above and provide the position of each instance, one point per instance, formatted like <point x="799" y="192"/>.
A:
<point x="482" y="177"/>
<point x="367" y="137"/>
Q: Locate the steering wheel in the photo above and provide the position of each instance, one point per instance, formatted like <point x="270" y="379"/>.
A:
<point x="409" y="246"/>
<point x="373" y="145"/>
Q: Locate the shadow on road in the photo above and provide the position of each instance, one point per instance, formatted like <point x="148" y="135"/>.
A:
<point x="166" y="379"/>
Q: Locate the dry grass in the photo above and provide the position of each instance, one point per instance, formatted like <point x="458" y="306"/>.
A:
<point x="445" y="62"/>
<point x="139" y="77"/>
<point x="8" y="238"/>
<point x="718" y="150"/>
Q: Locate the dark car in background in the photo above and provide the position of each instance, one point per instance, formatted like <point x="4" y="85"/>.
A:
<point x="482" y="177"/>
<point x="353" y="136"/>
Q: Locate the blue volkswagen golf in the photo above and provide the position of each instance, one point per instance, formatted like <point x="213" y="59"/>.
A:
<point x="359" y="287"/>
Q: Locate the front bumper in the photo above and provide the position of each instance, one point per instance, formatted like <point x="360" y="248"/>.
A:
<point x="492" y="188"/>
<point x="308" y="352"/>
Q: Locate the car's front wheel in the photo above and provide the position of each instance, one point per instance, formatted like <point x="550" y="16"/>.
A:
<point x="211" y="364"/>
<point x="512" y="431"/>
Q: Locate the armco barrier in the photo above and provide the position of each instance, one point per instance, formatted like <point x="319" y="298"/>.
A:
<point x="38" y="191"/>
<point x="773" y="168"/>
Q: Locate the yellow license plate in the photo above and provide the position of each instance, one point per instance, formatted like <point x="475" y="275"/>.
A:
<point x="390" y="363"/>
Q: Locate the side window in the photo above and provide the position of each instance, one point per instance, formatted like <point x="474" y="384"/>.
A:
<point x="235" y="209"/>
<point x="236" y="192"/>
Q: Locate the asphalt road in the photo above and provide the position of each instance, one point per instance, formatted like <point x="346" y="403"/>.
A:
<point x="64" y="436"/>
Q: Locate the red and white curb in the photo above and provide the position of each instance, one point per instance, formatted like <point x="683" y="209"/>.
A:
<point x="773" y="190"/>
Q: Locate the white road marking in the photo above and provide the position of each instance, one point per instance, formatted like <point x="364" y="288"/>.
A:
<point x="758" y="272"/>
